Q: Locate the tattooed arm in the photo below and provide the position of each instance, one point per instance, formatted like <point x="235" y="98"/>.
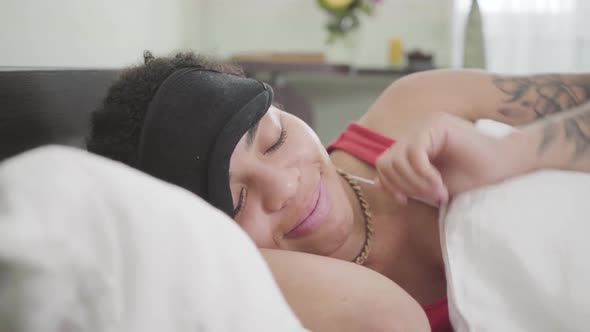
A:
<point x="473" y="95"/>
<point x="449" y="155"/>
<point x="560" y="141"/>
<point x="535" y="97"/>
<point x="438" y="153"/>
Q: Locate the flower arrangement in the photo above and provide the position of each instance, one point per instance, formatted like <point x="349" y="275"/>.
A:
<point x="343" y="15"/>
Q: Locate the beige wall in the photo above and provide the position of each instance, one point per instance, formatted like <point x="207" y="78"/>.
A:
<point x="92" y="33"/>
<point x="337" y="100"/>
<point x="113" y="33"/>
<point x="231" y="26"/>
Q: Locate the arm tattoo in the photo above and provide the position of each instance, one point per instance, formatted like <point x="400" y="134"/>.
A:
<point x="576" y="131"/>
<point x="541" y="95"/>
<point x="549" y="135"/>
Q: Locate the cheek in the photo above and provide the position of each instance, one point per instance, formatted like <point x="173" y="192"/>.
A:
<point x="237" y="162"/>
<point x="261" y="235"/>
<point x="304" y="144"/>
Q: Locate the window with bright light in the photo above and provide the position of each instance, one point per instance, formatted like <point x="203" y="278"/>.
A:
<point x="519" y="6"/>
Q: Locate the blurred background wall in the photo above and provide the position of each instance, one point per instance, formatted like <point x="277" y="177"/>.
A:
<point x="520" y="36"/>
<point x="94" y="33"/>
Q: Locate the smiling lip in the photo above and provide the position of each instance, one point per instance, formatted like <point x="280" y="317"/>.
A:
<point x="315" y="213"/>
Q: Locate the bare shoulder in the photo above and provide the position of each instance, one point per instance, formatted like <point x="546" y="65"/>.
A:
<point x="472" y="95"/>
<point x="411" y="99"/>
<point x="334" y="295"/>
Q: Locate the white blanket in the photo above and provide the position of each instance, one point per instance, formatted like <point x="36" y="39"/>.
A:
<point x="87" y="244"/>
<point x="517" y="255"/>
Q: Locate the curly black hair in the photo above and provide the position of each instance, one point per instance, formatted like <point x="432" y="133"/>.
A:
<point x="116" y="125"/>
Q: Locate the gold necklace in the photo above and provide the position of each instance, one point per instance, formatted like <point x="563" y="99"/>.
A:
<point x="361" y="258"/>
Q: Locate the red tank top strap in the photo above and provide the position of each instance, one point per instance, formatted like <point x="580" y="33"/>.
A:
<point x="366" y="145"/>
<point x="438" y="315"/>
<point x="363" y="143"/>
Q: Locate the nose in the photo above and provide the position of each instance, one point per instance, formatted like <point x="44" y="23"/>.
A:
<point x="278" y="186"/>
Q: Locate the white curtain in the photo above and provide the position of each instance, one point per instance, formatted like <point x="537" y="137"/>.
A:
<point x="528" y="36"/>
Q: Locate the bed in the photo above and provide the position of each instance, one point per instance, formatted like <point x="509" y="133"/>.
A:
<point x="516" y="254"/>
<point x="77" y="254"/>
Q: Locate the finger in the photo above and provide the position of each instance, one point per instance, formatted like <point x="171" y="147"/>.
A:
<point x="397" y="195"/>
<point x="430" y="178"/>
<point x="388" y="179"/>
<point x="401" y="198"/>
<point x="390" y="187"/>
<point x="394" y="182"/>
<point x="444" y="196"/>
<point x="414" y="184"/>
<point x="394" y="166"/>
<point x="423" y="167"/>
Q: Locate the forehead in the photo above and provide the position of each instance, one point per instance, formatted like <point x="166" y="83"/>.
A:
<point x="272" y="113"/>
<point x="268" y="120"/>
<point x="272" y="116"/>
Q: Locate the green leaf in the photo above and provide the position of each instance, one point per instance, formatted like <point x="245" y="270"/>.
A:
<point x="334" y="10"/>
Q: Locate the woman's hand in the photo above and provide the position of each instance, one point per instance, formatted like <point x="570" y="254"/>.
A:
<point x="446" y="156"/>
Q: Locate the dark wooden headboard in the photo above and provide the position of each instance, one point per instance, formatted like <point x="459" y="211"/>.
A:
<point x="43" y="106"/>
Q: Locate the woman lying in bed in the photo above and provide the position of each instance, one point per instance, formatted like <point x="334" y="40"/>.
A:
<point x="204" y="127"/>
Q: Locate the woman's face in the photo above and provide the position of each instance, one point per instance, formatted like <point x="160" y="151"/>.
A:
<point x="286" y="192"/>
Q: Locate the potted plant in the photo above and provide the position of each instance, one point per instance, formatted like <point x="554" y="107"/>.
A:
<point x="343" y="16"/>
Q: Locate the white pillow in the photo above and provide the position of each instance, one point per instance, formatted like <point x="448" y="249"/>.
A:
<point x="517" y="255"/>
<point x="87" y="244"/>
<point x="493" y="128"/>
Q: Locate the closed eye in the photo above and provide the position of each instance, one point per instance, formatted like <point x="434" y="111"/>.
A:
<point x="280" y="141"/>
<point x="241" y="202"/>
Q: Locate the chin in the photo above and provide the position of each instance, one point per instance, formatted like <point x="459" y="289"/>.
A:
<point x="341" y="233"/>
<point x="340" y="226"/>
<point x="336" y="228"/>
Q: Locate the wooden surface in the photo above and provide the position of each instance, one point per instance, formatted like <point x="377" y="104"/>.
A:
<point x="255" y="67"/>
<point x="282" y="57"/>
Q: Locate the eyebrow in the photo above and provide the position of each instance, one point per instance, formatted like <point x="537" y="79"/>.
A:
<point x="251" y="134"/>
